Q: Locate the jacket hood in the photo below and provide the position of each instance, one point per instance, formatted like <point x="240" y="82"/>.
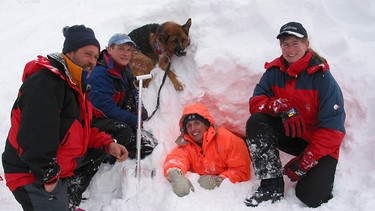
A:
<point x="199" y="109"/>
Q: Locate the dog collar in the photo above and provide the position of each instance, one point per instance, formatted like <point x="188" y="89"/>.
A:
<point x="158" y="48"/>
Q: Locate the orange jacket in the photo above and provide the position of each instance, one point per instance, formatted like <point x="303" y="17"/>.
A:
<point x="222" y="152"/>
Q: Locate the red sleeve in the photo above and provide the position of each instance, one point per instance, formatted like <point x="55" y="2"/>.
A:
<point x="99" y="139"/>
<point x="324" y="142"/>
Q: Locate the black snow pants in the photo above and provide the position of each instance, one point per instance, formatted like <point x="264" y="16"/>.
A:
<point x="265" y="136"/>
<point x="126" y="136"/>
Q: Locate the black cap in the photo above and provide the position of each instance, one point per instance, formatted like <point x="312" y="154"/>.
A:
<point x="191" y="117"/>
<point x="78" y="36"/>
<point x="293" y="28"/>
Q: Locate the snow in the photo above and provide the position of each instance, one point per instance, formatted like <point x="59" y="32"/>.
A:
<point x="230" y="41"/>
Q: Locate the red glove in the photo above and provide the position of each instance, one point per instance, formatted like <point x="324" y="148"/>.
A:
<point x="293" y="123"/>
<point x="297" y="167"/>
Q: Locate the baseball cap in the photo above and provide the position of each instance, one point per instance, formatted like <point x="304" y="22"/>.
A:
<point x="293" y="28"/>
<point x="119" y="39"/>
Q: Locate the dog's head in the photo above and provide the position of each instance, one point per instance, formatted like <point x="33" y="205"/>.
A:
<point x="174" y="38"/>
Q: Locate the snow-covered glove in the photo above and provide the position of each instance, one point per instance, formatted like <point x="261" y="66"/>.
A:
<point x="209" y="182"/>
<point x="276" y="106"/>
<point x="293" y="123"/>
<point x="181" y="185"/>
<point x="297" y="167"/>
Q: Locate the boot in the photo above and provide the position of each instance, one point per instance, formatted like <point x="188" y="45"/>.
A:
<point x="269" y="190"/>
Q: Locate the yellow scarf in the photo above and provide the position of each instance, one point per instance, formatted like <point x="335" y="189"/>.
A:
<point x="75" y="71"/>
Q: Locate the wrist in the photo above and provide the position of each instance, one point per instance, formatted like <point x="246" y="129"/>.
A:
<point x="289" y="113"/>
<point x="174" y="173"/>
<point x="218" y="180"/>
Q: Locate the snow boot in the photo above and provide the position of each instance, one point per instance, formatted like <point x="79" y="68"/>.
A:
<point x="269" y="190"/>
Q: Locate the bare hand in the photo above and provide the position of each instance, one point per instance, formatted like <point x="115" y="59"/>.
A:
<point x="118" y="151"/>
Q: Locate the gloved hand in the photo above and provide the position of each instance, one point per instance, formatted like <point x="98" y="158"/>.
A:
<point x="297" y="167"/>
<point x="293" y="123"/>
<point x="181" y="185"/>
<point x="209" y="182"/>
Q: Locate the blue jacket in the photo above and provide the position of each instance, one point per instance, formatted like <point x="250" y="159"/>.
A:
<point x="113" y="93"/>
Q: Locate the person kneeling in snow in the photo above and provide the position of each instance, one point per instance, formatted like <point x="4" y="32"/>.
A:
<point x="212" y="152"/>
<point x="297" y="107"/>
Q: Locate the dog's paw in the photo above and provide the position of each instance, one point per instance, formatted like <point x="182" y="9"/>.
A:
<point x="179" y="86"/>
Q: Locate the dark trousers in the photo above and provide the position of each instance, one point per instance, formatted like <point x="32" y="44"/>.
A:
<point x="126" y="136"/>
<point x="33" y="197"/>
<point x="119" y="131"/>
<point x="265" y="136"/>
<point x="68" y="191"/>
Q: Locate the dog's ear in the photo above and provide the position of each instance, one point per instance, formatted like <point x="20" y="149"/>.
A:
<point x="186" y="26"/>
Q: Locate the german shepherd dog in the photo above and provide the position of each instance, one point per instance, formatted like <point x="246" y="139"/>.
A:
<point x="158" y="43"/>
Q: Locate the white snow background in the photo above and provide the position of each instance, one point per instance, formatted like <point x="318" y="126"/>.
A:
<point x="230" y="41"/>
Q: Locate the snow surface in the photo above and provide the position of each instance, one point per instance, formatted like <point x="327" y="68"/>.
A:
<point x="230" y="41"/>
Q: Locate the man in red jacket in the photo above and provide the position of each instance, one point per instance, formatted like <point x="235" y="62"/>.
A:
<point x="210" y="151"/>
<point x="49" y="157"/>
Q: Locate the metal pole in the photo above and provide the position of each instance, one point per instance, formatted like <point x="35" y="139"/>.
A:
<point x="140" y="85"/>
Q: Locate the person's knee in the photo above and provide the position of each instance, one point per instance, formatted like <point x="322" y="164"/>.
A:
<point x="122" y="133"/>
<point x="258" y="121"/>
<point x="311" y="199"/>
<point x="260" y="125"/>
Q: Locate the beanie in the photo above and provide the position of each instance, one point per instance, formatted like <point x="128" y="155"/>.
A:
<point x="191" y="117"/>
<point x="78" y="36"/>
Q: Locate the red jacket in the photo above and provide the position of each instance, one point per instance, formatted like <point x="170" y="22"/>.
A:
<point x="50" y="124"/>
<point x="222" y="152"/>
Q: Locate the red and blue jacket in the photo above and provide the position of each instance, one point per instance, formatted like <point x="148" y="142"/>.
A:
<point x="50" y="124"/>
<point x="310" y="87"/>
<point x="113" y="93"/>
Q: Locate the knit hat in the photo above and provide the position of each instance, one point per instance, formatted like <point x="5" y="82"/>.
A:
<point x="293" y="28"/>
<point x="119" y="39"/>
<point x="78" y="36"/>
<point x="191" y="117"/>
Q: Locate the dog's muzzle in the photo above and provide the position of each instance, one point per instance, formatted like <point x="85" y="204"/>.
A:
<point x="180" y="51"/>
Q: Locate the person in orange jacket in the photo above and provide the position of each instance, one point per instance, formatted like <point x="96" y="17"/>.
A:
<point x="204" y="148"/>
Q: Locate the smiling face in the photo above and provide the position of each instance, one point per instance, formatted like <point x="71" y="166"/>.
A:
<point x="121" y="54"/>
<point x="196" y="129"/>
<point x="84" y="57"/>
<point x="293" y="48"/>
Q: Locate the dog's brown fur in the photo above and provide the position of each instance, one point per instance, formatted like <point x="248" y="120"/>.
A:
<point x="158" y="44"/>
